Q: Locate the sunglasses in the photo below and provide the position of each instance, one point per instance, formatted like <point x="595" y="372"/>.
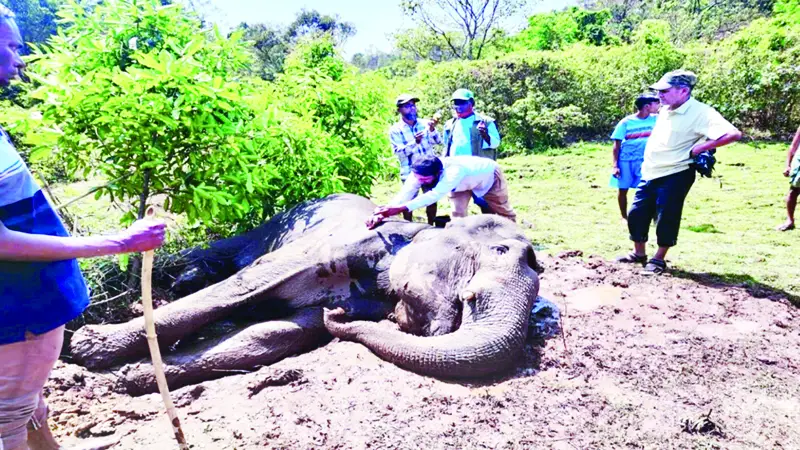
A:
<point x="460" y="102"/>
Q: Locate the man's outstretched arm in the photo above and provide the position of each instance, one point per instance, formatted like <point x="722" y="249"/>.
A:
<point x="17" y="246"/>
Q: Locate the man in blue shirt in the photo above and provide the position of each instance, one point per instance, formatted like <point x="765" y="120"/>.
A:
<point x="41" y="286"/>
<point x="470" y="133"/>
<point x="630" y="137"/>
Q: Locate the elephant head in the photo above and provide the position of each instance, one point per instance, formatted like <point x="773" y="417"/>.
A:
<point x="464" y="297"/>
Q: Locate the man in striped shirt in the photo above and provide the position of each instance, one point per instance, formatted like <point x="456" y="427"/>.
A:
<point x="41" y="286"/>
<point x="411" y="139"/>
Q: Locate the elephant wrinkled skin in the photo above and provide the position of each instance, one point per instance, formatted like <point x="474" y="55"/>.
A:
<point x="460" y="296"/>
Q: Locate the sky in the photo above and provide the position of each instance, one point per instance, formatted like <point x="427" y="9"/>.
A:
<point x="374" y="19"/>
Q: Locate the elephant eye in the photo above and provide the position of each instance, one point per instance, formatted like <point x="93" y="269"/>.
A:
<point x="500" y="249"/>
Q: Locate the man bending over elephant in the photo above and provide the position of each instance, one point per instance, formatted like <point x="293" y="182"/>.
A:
<point x="458" y="176"/>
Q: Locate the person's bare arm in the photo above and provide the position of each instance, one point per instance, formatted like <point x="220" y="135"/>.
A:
<point x="725" y="139"/>
<point x="615" y="152"/>
<point x="16" y="246"/>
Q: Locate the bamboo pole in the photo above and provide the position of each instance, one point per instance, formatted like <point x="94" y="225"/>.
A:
<point x="152" y="342"/>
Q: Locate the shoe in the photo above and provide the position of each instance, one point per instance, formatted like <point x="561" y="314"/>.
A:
<point x="632" y="258"/>
<point x="654" y="267"/>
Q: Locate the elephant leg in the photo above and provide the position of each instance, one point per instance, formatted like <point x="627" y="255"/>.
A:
<point x="258" y="345"/>
<point x="290" y="275"/>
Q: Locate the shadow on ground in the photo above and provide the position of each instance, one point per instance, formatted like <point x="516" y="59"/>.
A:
<point x="747" y="282"/>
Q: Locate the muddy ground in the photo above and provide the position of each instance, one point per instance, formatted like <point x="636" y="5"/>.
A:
<point x="639" y="362"/>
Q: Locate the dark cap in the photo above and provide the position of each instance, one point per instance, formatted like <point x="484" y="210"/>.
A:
<point x="402" y="99"/>
<point x="675" y="78"/>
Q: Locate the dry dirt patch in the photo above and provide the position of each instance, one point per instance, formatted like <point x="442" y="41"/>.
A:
<point x="641" y="363"/>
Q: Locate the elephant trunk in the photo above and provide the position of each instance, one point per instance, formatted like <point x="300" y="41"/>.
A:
<point x="489" y="341"/>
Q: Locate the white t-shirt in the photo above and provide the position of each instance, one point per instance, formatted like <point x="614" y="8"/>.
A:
<point x="676" y="131"/>
<point x="461" y="173"/>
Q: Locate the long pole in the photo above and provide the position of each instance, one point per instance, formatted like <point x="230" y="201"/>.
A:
<point x="152" y="342"/>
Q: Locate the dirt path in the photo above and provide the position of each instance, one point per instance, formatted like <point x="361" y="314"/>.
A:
<point x="638" y="357"/>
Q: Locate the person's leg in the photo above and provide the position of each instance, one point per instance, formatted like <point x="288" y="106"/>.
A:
<point x="481" y="203"/>
<point x="408" y="215"/>
<point x="430" y="211"/>
<point x="791" y="205"/>
<point x="622" y="200"/>
<point x="497" y="197"/>
<point x="671" y="197"/>
<point x="639" y="218"/>
<point x="460" y="203"/>
<point x="24" y="368"/>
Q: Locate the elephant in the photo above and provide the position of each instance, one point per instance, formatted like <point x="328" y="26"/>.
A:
<point x="458" y="298"/>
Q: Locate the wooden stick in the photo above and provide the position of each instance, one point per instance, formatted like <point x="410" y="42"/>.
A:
<point x="152" y="342"/>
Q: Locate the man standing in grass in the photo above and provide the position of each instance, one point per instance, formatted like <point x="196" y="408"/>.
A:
<point x="41" y="286"/>
<point x="684" y="128"/>
<point x="470" y="133"/>
<point x="630" y="137"/>
<point x="793" y="172"/>
<point x="412" y="138"/>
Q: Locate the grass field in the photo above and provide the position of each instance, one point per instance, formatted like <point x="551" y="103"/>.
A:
<point x="728" y="228"/>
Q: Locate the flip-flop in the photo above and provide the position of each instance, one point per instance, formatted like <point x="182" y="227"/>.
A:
<point x="654" y="267"/>
<point x="632" y="258"/>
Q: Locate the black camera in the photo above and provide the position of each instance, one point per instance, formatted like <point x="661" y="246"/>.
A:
<point x="704" y="163"/>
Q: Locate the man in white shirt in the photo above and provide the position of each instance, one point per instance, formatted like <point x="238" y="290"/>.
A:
<point x="684" y="128"/>
<point x="459" y="177"/>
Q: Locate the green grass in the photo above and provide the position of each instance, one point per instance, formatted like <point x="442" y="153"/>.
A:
<point x="728" y="227"/>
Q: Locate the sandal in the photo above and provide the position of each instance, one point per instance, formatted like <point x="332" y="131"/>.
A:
<point x="632" y="258"/>
<point x="654" y="267"/>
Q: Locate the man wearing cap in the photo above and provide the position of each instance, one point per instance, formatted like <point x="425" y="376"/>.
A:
<point x="630" y="137"/>
<point x="684" y="128"/>
<point x="412" y="138"/>
<point x="457" y="176"/>
<point x="470" y="133"/>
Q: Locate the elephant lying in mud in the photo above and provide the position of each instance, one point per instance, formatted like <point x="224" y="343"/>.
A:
<point x="460" y="296"/>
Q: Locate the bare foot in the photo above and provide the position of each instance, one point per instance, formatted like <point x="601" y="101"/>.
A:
<point x="786" y="226"/>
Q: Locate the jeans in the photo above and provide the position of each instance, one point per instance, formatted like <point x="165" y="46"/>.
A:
<point x="660" y="200"/>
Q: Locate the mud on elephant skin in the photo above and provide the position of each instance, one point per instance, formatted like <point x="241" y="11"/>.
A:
<point x="461" y="297"/>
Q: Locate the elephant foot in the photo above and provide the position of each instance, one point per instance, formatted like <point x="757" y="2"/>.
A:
<point x="238" y="352"/>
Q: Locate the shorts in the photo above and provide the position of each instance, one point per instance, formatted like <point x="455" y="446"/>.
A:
<point x="630" y="174"/>
<point x="794" y="174"/>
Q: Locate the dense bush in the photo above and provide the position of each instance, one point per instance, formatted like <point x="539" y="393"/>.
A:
<point x="140" y="94"/>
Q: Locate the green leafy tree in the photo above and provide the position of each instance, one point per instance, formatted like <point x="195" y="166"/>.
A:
<point x="35" y="18"/>
<point x="138" y="93"/>
<point x="271" y="44"/>
<point x="465" y="26"/>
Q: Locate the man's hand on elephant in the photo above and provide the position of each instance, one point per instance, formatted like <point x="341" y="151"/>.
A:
<point x="373" y="221"/>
